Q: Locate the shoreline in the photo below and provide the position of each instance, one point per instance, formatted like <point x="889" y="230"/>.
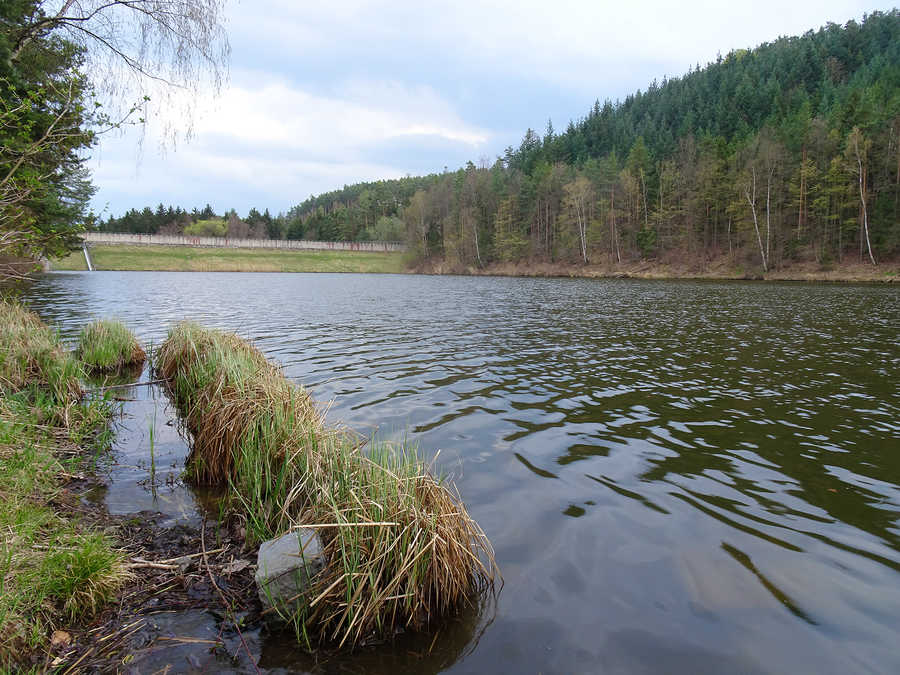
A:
<point x="84" y="589"/>
<point x="185" y="259"/>
<point x="888" y="272"/>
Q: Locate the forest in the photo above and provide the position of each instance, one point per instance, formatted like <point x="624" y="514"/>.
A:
<point x="197" y="222"/>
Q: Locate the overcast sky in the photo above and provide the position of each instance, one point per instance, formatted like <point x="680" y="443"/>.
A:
<point x="324" y="94"/>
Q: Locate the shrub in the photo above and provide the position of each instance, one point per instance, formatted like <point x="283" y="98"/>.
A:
<point x="215" y="227"/>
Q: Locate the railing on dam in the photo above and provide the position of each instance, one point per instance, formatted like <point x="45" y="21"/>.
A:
<point x="225" y="242"/>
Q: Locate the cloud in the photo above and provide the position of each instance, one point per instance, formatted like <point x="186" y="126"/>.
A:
<point x="275" y="141"/>
<point x="278" y="114"/>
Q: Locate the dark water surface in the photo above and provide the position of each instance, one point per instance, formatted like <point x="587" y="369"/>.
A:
<point x="676" y="476"/>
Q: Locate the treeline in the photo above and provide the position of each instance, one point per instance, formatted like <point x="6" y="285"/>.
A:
<point x="359" y="212"/>
<point x="787" y="151"/>
<point x="314" y="220"/>
<point x="197" y="222"/>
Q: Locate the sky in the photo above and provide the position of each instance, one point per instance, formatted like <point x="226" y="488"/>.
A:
<point x="326" y="94"/>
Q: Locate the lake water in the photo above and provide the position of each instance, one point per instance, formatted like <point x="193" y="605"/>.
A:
<point x="676" y="476"/>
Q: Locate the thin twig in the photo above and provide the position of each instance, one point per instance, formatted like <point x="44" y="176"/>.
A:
<point x="122" y="386"/>
<point x="192" y="555"/>
<point x="139" y="563"/>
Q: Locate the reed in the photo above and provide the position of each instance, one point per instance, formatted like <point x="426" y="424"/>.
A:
<point x="401" y="550"/>
<point x="108" y="345"/>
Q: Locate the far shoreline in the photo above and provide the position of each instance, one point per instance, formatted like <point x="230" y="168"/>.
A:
<point x="649" y="270"/>
<point x="187" y="259"/>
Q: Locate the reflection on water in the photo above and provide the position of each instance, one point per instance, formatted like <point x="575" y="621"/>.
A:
<point x="674" y="475"/>
<point x="144" y="470"/>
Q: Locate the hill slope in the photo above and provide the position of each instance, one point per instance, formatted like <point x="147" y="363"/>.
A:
<point x="785" y="152"/>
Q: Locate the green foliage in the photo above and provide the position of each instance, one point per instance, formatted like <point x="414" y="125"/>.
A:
<point x="32" y="359"/>
<point x="82" y="573"/>
<point x="46" y="123"/>
<point x="387" y="228"/>
<point x="646" y="241"/>
<point x="52" y="55"/>
<point x="107" y="344"/>
<point x="52" y="569"/>
<point x="213" y="227"/>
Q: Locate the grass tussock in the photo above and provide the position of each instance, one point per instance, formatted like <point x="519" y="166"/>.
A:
<point x="32" y="358"/>
<point x="401" y="549"/>
<point x="52" y="569"/>
<point x="108" y="345"/>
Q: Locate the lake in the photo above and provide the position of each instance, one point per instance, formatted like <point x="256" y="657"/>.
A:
<point x="676" y="476"/>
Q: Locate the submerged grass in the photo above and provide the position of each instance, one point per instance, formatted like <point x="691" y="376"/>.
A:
<point x="108" y="345"/>
<point x="401" y="549"/>
<point x="52" y="569"/>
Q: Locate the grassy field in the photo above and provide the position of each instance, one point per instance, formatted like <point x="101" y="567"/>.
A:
<point x="187" y="259"/>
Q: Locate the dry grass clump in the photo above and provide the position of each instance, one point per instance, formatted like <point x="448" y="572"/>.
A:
<point x="401" y="550"/>
<point x="31" y="356"/>
<point x="108" y="345"/>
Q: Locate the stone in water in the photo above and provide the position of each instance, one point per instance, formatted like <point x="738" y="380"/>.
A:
<point x="286" y="567"/>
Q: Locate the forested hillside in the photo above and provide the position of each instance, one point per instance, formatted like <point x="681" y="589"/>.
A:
<point x="786" y="151"/>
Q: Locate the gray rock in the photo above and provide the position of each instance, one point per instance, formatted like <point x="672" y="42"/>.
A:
<point x="286" y="567"/>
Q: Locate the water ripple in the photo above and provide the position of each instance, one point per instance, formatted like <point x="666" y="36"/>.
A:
<point x="683" y="461"/>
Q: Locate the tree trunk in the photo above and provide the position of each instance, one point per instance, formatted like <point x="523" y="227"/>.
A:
<point x="768" y="215"/>
<point x="612" y="223"/>
<point x="862" y="199"/>
<point x="750" y="193"/>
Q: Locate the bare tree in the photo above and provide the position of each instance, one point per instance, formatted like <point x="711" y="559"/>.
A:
<point x="416" y="217"/>
<point x="130" y="55"/>
<point x="750" y="194"/>
<point x="858" y="147"/>
<point x="141" y="51"/>
<point x="579" y="195"/>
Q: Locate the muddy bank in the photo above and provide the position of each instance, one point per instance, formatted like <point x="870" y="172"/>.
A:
<point x="187" y="612"/>
<point x="719" y="269"/>
<point x="190" y="593"/>
<point x="186" y="607"/>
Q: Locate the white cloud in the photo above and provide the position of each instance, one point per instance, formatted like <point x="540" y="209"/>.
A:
<point x="576" y="44"/>
<point x="279" y="141"/>
<point x="361" y="113"/>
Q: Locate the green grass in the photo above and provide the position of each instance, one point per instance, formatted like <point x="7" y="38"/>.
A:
<point x="401" y="550"/>
<point x="187" y="259"/>
<point x="108" y="345"/>
<point x="52" y="569"/>
<point x="31" y="357"/>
